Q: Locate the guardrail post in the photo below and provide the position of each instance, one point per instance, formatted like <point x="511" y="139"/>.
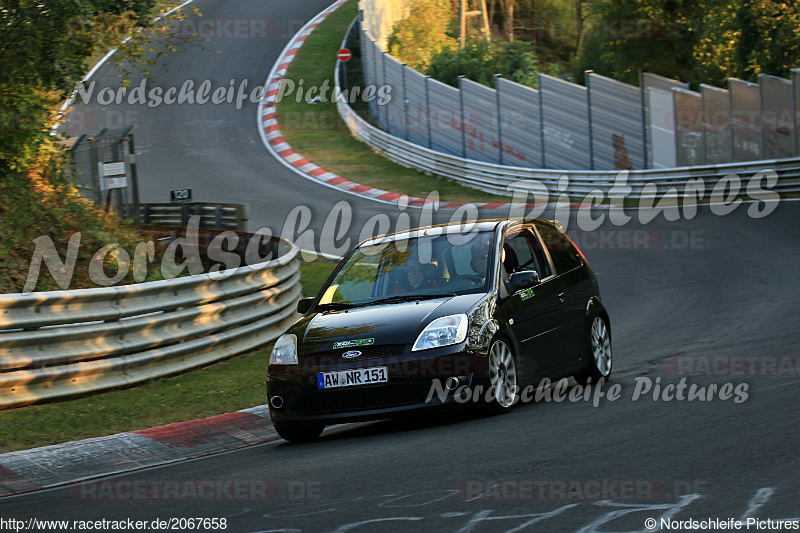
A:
<point x="242" y="216"/>
<point x="146" y="214"/>
<point x="184" y="215"/>
<point x="218" y="217"/>
<point x="198" y="210"/>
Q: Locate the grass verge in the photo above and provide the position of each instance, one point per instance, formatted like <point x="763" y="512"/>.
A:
<point x="317" y="132"/>
<point x="230" y="385"/>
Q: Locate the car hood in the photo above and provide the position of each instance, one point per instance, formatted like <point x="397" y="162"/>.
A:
<point x="395" y="323"/>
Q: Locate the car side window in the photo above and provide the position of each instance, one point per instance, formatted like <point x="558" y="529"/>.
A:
<point x="527" y="254"/>
<point x="563" y="253"/>
<point x="516" y="252"/>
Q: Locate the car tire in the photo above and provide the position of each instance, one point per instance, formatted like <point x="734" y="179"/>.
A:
<point x="502" y="377"/>
<point x="598" y="352"/>
<point x="298" y="433"/>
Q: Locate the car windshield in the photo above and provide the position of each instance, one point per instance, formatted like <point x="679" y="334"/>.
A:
<point x="414" y="268"/>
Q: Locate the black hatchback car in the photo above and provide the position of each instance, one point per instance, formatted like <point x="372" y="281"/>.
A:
<point x="412" y="320"/>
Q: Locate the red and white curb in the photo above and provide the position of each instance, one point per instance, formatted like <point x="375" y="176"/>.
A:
<point x="50" y="466"/>
<point x="276" y="144"/>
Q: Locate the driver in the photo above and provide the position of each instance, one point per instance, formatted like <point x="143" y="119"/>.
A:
<point x="418" y="277"/>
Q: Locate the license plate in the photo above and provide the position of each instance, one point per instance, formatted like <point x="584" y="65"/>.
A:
<point x="351" y="378"/>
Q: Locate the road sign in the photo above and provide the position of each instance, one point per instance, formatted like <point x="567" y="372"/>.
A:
<point x="114" y="174"/>
<point x="180" y="195"/>
<point x="344" y="54"/>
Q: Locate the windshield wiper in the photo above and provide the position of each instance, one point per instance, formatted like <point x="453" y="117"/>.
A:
<point x="410" y="298"/>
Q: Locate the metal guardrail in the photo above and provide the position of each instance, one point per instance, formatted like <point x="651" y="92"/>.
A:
<point x="497" y="179"/>
<point x="218" y="216"/>
<point x="65" y="343"/>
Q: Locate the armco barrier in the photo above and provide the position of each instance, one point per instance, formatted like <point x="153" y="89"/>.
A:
<point x="219" y="216"/>
<point x="64" y="343"/>
<point x="493" y="178"/>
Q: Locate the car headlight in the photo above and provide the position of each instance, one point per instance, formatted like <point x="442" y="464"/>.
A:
<point x="284" y="352"/>
<point x="443" y="331"/>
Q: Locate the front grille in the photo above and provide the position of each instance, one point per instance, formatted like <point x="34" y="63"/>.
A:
<point x="367" y="352"/>
<point x="357" y="399"/>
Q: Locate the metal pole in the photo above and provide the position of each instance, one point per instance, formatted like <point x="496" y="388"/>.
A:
<point x="761" y="116"/>
<point x="405" y="97"/>
<point x="428" y="110"/>
<point x="541" y="117"/>
<point x="796" y="109"/>
<point x="499" y="117"/>
<point x="93" y="164"/>
<point x="587" y="77"/>
<point x="463" y="129"/>
<point x="730" y="120"/>
<point x="642" y="91"/>
<point x="386" y="107"/>
<point x="134" y="178"/>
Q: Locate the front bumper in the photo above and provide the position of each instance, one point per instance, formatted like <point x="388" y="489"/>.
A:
<point x="411" y="386"/>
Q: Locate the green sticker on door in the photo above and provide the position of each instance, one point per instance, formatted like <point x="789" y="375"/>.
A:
<point x="527" y="293"/>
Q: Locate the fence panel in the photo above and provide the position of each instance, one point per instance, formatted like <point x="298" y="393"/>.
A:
<point x="689" y="143"/>
<point x="418" y="126"/>
<point x="520" y="124"/>
<point x="648" y="80"/>
<point x="445" y="118"/>
<point x="606" y="125"/>
<point x="481" y="138"/>
<point x="369" y="51"/>
<point x="617" y="118"/>
<point x="380" y="79"/>
<point x="745" y="120"/>
<point x="716" y="124"/>
<point x="395" y="109"/>
<point x="777" y="110"/>
<point x="661" y="133"/>
<point x="565" y="119"/>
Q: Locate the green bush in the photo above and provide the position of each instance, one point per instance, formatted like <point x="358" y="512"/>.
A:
<point x="480" y="60"/>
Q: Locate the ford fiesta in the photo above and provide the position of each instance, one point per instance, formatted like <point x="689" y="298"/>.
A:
<point x="407" y="321"/>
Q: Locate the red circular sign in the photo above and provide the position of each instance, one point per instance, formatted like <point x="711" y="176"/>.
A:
<point x="344" y="54"/>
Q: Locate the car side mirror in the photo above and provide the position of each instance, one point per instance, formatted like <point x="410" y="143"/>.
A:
<point x="304" y="305"/>
<point x="524" y="280"/>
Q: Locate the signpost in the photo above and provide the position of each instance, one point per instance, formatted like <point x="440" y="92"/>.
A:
<point x="114" y="174"/>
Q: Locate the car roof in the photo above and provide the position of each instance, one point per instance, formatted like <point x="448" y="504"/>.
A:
<point x="475" y="225"/>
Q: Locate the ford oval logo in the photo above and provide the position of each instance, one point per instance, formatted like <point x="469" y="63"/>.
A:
<point x="351" y="354"/>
